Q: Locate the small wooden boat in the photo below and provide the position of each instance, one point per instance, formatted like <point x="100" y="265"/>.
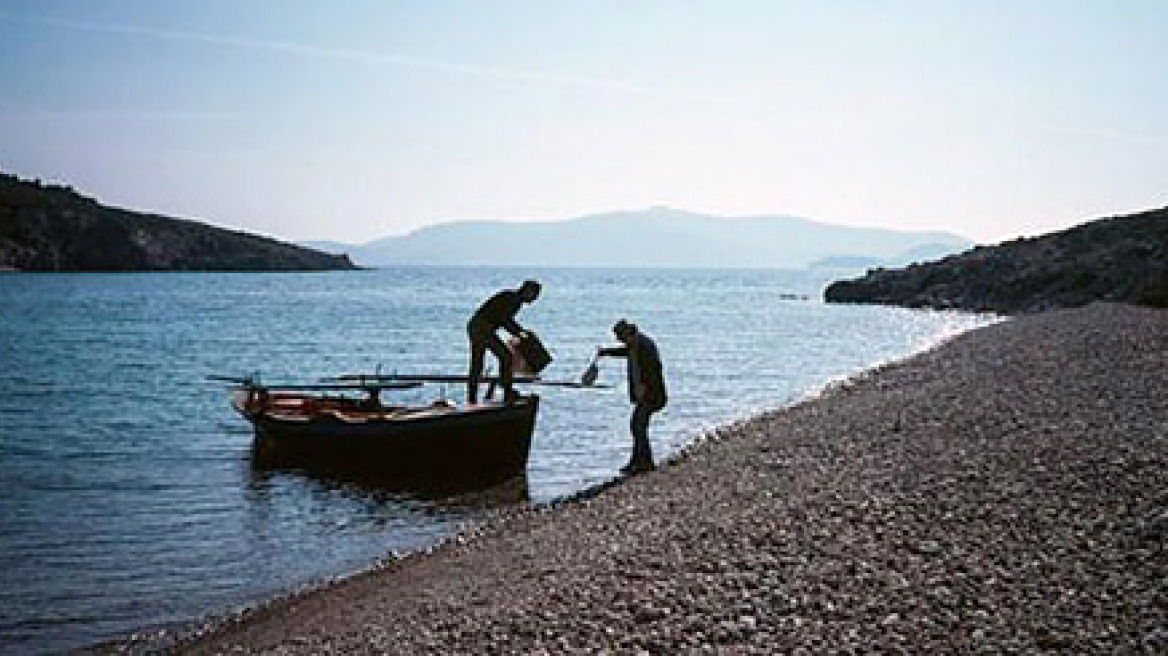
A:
<point x="312" y="426"/>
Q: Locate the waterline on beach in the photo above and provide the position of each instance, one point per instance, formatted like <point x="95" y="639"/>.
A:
<point x="189" y="526"/>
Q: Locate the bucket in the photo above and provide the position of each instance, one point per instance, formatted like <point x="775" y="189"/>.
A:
<point x="530" y="355"/>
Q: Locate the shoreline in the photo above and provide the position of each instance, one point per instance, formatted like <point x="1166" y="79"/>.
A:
<point x="175" y="635"/>
<point x="741" y="558"/>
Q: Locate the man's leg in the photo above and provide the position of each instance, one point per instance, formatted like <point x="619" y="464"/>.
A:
<point x="639" y="425"/>
<point x="478" y="349"/>
<point x="506" y="367"/>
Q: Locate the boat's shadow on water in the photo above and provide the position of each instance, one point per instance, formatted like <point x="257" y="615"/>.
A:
<point x="461" y="494"/>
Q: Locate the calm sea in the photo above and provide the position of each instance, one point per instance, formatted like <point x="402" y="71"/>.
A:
<point x="128" y="498"/>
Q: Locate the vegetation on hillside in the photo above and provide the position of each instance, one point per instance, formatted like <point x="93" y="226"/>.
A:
<point x="1115" y="259"/>
<point x="53" y="228"/>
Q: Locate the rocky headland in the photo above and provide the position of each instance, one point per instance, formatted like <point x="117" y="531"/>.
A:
<point x="53" y="228"/>
<point x="1001" y="493"/>
<point x="1116" y="259"/>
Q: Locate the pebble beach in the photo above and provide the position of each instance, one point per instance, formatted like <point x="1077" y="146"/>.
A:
<point x="1004" y="492"/>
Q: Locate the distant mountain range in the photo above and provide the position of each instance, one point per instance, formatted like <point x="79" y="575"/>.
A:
<point x="655" y="237"/>
<point x="1122" y="258"/>
<point x="53" y="228"/>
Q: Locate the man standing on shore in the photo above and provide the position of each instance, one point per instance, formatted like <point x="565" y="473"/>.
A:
<point x="646" y="388"/>
<point x="497" y="312"/>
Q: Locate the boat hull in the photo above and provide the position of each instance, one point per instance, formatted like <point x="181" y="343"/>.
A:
<point x="466" y="445"/>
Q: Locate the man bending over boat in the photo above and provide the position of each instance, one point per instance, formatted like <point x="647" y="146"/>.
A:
<point x="497" y="312"/>
<point x="646" y="388"/>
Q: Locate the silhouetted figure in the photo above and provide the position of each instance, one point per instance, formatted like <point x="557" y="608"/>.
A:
<point x="497" y="312"/>
<point x="646" y="388"/>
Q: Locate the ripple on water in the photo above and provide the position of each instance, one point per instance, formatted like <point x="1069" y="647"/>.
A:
<point x="127" y="493"/>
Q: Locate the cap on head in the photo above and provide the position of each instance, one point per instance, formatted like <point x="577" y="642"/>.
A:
<point x="530" y="289"/>
<point x="624" y="328"/>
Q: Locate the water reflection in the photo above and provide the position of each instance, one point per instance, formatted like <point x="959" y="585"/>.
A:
<point x="370" y="487"/>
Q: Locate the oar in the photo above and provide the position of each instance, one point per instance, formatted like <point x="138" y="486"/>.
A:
<point x="572" y="384"/>
<point x="457" y="378"/>
<point x="293" y="387"/>
<point x="427" y="378"/>
<point x="389" y="385"/>
<point x="237" y="380"/>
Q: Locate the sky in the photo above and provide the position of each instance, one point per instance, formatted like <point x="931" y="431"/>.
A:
<point x="356" y="120"/>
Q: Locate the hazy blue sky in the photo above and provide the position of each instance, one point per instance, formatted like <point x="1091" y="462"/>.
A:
<point x="353" y="120"/>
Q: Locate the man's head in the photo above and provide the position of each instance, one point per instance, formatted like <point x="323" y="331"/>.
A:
<point x="529" y="291"/>
<point x="625" y="331"/>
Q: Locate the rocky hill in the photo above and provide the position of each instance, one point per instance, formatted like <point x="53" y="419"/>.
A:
<point x="1118" y="259"/>
<point x="53" y="228"/>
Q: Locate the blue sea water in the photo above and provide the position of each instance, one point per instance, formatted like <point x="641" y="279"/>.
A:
<point x="128" y="497"/>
